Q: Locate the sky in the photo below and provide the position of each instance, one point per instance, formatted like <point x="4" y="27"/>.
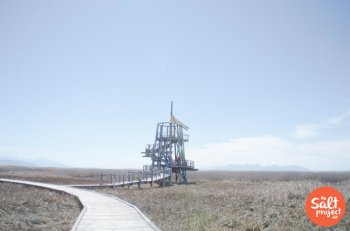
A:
<point x="258" y="82"/>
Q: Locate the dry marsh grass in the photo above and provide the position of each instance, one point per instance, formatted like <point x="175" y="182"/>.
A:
<point x="246" y="201"/>
<point x="220" y="200"/>
<point x="31" y="208"/>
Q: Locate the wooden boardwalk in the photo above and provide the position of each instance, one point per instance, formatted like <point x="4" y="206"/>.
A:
<point x="100" y="211"/>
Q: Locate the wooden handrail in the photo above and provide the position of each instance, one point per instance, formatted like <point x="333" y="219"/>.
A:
<point x="136" y="176"/>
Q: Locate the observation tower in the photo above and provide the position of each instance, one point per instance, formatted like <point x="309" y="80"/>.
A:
<point x="168" y="150"/>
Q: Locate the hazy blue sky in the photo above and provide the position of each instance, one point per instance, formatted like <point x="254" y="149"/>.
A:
<point x="258" y="82"/>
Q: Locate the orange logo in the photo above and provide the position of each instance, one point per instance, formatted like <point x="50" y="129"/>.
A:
<point x="325" y="206"/>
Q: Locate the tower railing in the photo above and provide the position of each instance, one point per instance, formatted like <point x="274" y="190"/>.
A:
<point x="185" y="163"/>
<point x="174" y="136"/>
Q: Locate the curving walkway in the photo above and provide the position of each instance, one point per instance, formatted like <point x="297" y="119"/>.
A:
<point x="100" y="211"/>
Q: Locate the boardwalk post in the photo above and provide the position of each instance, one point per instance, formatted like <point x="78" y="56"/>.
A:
<point x="129" y="182"/>
<point x="139" y="180"/>
<point x="152" y="178"/>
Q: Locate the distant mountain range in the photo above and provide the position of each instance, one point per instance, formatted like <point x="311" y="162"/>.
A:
<point x="257" y="167"/>
<point x="14" y="161"/>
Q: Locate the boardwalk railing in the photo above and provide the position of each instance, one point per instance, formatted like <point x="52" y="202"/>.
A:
<point x="135" y="177"/>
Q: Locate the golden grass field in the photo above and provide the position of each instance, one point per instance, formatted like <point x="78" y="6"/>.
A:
<point x="236" y="201"/>
<point x="30" y="208"/>
<point x="219" y="200"/>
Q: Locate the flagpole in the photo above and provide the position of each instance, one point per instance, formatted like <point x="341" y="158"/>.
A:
<point x="171" y="132"/>
<point x="171" y="111"/>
